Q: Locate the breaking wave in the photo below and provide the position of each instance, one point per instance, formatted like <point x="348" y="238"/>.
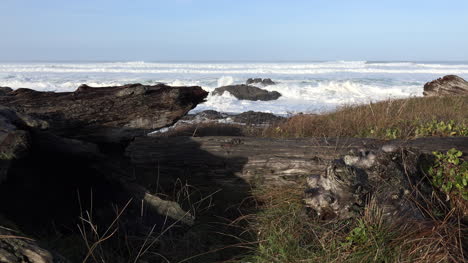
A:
<point x="306" y="87"/>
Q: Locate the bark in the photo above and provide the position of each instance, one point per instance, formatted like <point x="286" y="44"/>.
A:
<point x="235" y="161"/>
<point x="106" y="114"/>
<point x="18" y="248"/>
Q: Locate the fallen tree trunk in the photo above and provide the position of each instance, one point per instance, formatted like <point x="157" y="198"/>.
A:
<point x="52" y="159"/>
<point x="233" y="161"/>
<point x="106" y="114"/>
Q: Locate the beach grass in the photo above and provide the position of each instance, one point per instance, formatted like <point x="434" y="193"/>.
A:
<point x="288" y="233"/>
<point x="389" y="119"/>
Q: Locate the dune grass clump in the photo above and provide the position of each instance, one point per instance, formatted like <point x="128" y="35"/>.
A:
<point x="390" y="119"/>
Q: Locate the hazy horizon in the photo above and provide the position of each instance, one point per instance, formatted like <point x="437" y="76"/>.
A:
<point x="233" y="61"/>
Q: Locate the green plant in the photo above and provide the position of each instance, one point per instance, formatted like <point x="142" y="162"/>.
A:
<point x="441" y="128"/>
<point x="392" y="133"/>
<point x="358" y="235"/>
<point x="450" y="173"/>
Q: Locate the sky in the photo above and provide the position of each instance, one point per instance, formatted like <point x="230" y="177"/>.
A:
<point x="233" y="30"/>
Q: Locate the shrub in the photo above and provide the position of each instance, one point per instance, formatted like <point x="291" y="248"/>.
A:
<point x="442" y="128"/>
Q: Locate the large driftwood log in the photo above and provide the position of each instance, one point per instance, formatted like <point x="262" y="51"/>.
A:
<point x="342" y="175"/>
<point x="50" y="156"/>
<point x="237" y="160"/>
<point x="107" y="113"/>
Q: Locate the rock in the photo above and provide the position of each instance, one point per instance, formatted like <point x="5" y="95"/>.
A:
<point x="264" y="82"/>
<point x="256" y="118"/>
<point x="347" y="185"/>
<point x="107" y="114"/>
<point x="448" y="85"/>
<point x="249" y="117"/>
<point x="246" y="92"/>
<point x="207" y="115"/>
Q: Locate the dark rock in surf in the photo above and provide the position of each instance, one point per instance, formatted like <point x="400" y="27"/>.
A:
<point x="249" y="117"/>
<point x="447" y="85"/>
<point x="264" y="82"/>
<point x="207" y="115"/>
<point x="256" y="118"/>
<point x="246" y="92"/>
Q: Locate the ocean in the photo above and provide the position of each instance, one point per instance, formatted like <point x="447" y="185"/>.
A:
<point x="308" y="87"/>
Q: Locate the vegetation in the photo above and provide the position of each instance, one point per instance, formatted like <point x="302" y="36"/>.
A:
<point x="390" y="119"/>
<point x="274" y="226"/>
<point x="148" y="238"/>
<point x="449" y="174"/>
<point x="287" y="233"/>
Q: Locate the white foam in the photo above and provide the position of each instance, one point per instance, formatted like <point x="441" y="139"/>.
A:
<point x="306" y="87"/>
<point x="225" y="81"/>
<point x="306" y="97"/>
<point x="228" y="69"/>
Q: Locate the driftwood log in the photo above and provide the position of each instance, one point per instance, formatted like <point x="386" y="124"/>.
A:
<point x="106" y="114"/>
<point x="341" y="175"/>
<point x="58" y="150"/>
<point x="237" y="160"/>
<point x="53" y="145"/>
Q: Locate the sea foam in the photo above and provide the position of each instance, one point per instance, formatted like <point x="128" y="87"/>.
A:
<point x="306" y="87"/>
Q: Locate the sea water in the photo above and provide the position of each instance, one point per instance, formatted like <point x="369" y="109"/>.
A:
<point x="308" y="87"/>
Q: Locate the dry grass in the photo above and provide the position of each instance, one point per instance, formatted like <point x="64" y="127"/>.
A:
<point x="128" y="234"/>
<point x="286" y="233"/>
<point x="387" y="119"/>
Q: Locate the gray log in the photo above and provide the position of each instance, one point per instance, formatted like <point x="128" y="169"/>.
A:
<point x="103" y="114"/>
<point x="236" y="160"/>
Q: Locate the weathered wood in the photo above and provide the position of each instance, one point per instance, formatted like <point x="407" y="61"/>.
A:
<point x="51" y="148"/>
<point x="237" y="160"/>
<point x="106" y="113"/>
<point x="18" y="248"/>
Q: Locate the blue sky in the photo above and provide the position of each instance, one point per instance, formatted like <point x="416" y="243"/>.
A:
<point x="240" y="30"/>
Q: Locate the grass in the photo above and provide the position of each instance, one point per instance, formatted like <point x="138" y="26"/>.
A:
<point x="287" y="233"/>
<point x="275" y="226"/>
<point x="127" y="234"/>
<point x="390" y="119"/>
